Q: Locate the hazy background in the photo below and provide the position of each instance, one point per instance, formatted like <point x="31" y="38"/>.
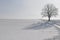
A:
<point x="24" y="9"/>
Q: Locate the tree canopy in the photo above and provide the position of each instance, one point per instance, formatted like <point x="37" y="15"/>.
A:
<point x="49" y="10"/>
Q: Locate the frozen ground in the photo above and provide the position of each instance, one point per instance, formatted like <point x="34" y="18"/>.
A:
<point x="29" y="29"/>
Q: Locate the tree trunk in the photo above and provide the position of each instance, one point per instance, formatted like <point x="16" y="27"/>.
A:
<point x="48" y="18"/>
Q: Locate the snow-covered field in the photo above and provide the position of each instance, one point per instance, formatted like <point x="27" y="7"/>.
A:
<point x="29" y="29"/>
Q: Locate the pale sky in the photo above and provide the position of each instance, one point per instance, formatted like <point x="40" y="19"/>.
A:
<point x="24" y="9"/>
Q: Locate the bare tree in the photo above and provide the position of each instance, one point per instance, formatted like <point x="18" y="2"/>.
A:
<point x="49" y="10"/>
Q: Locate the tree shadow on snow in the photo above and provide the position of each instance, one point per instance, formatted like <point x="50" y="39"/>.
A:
<point x="46" y="24"/>
<point x="58" y="36"/>
<point x="43" y="24"/>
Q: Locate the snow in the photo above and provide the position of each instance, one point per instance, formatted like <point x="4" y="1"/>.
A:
<point x="28" y="29"/>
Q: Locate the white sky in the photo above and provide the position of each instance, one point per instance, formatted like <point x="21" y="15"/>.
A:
<point x="24" y="9"/>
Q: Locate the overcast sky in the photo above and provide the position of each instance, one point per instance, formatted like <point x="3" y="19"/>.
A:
<point x="24" y="9"/>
